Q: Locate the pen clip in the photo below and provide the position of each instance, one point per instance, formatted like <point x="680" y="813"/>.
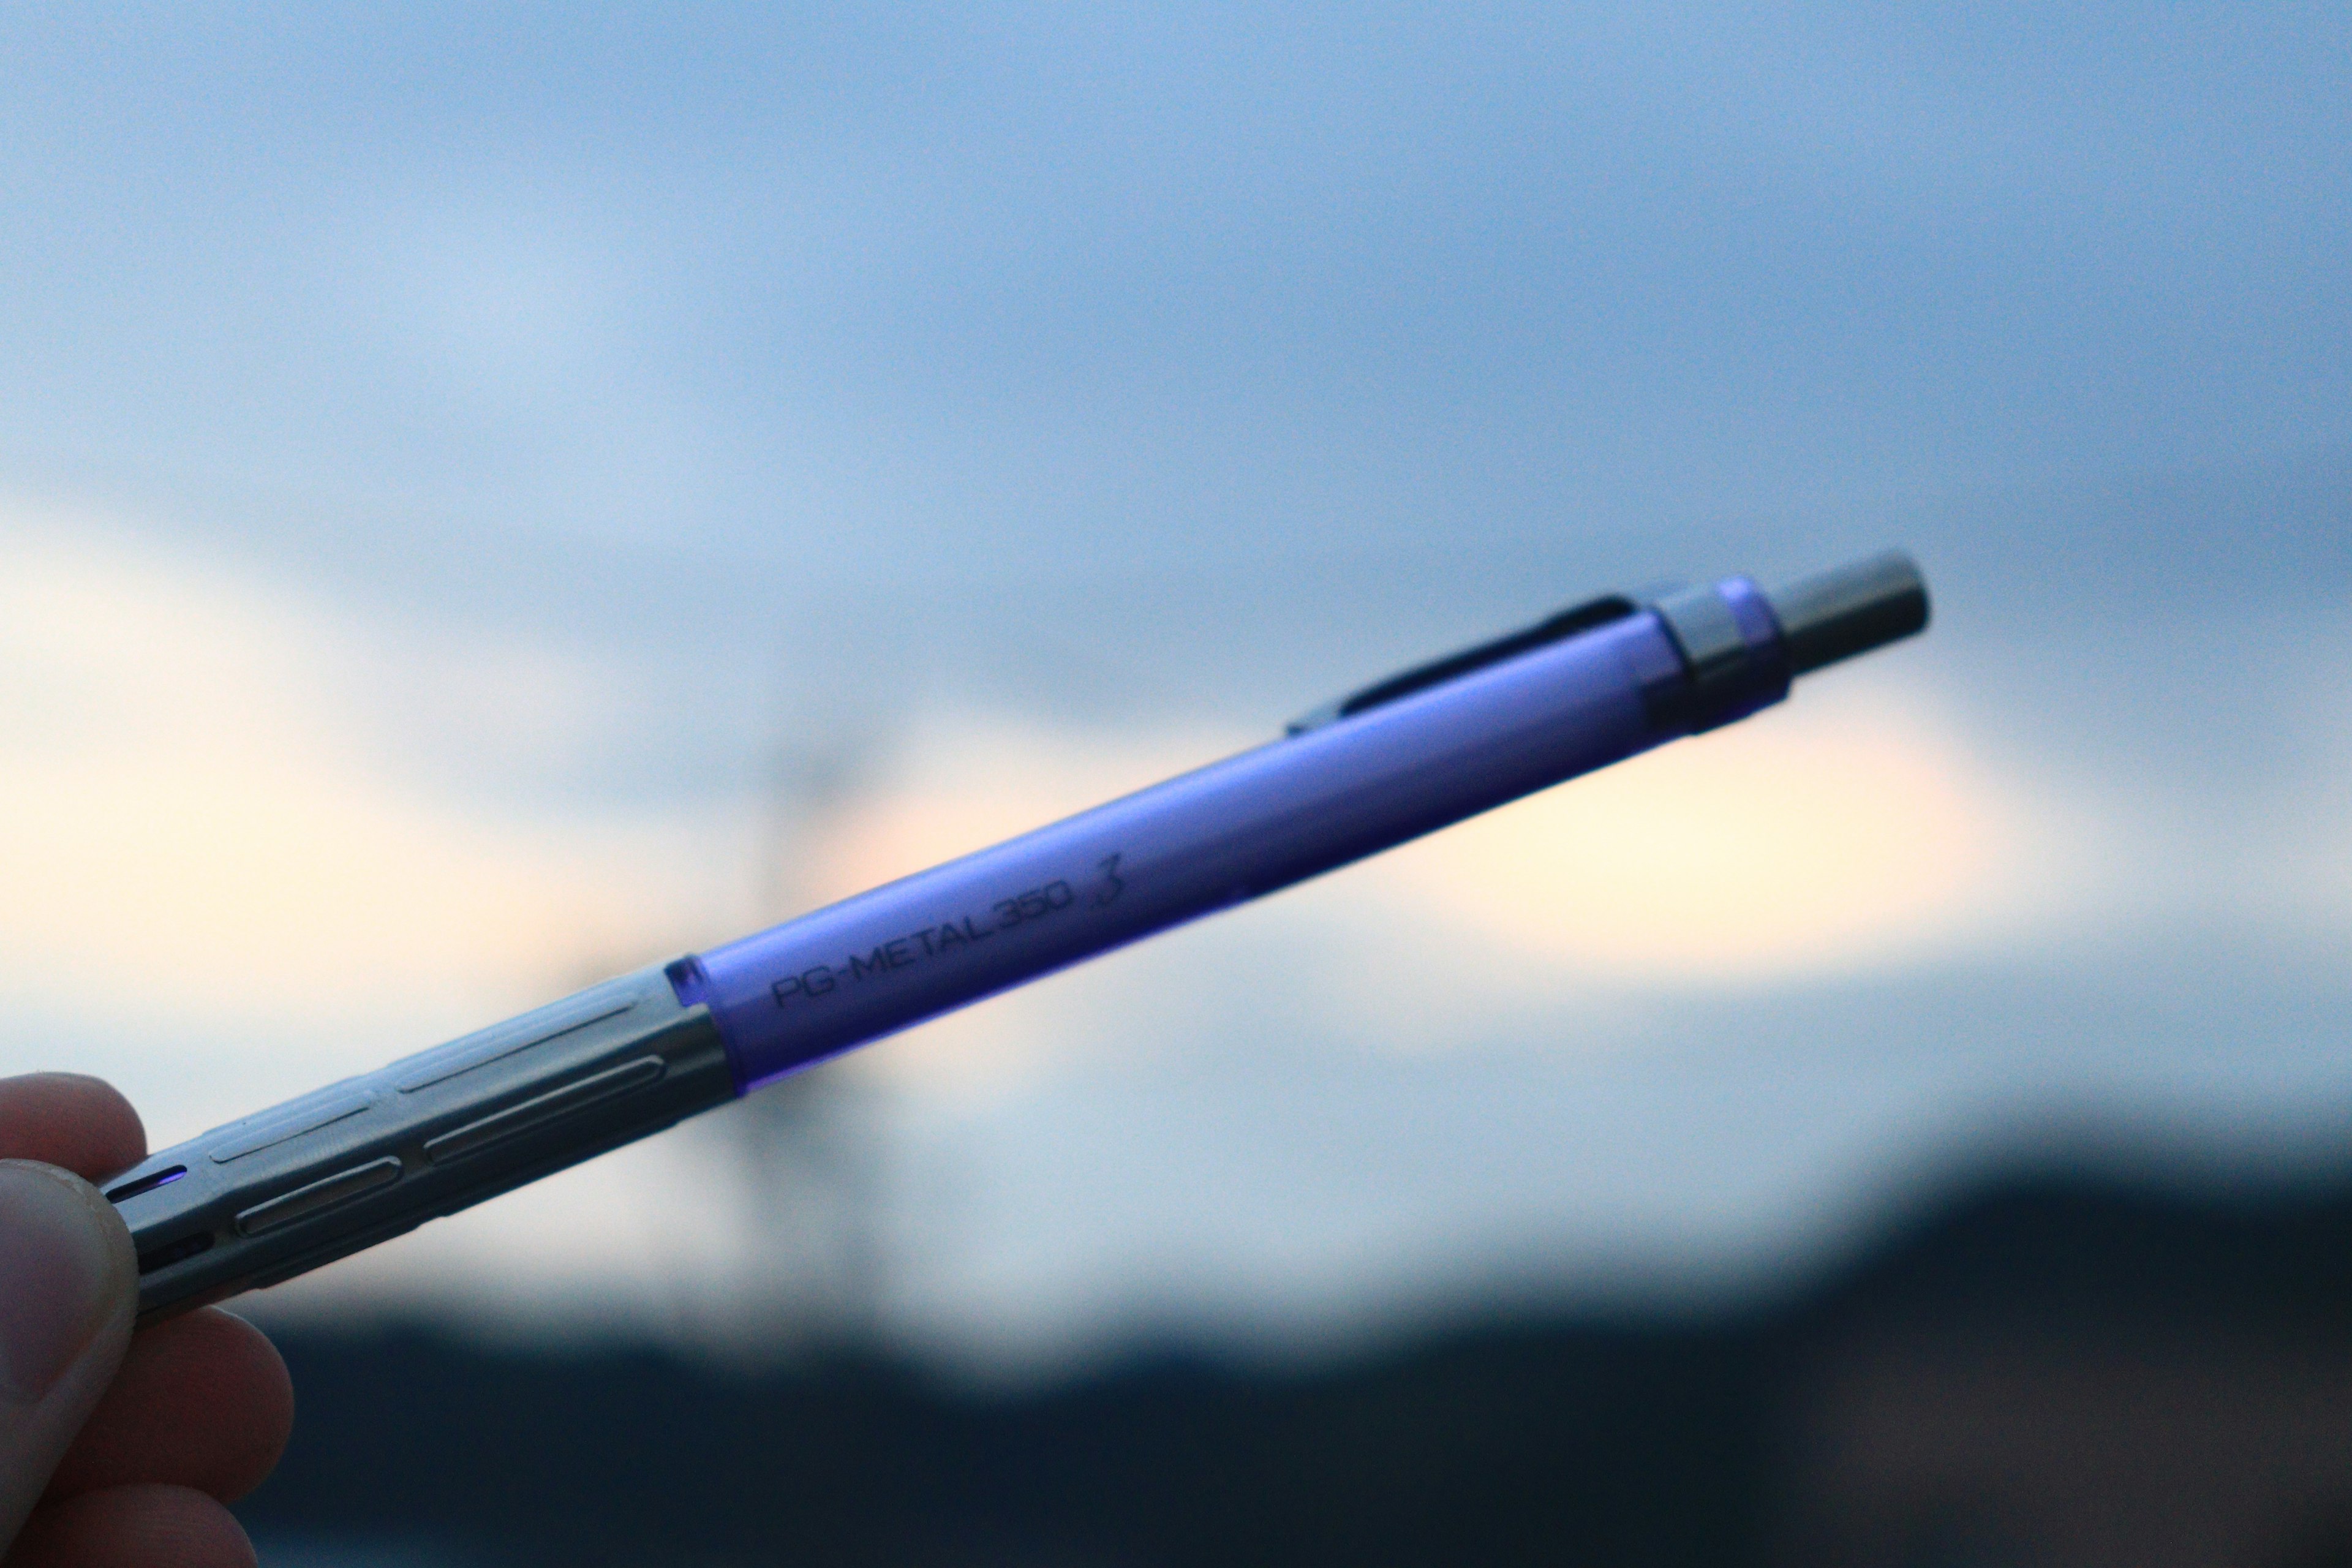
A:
<point x="1568" y="623"/>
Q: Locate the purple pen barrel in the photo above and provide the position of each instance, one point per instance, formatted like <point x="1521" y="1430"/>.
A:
<point x="286" y="1189"/>
<point x="1440" y="747"/>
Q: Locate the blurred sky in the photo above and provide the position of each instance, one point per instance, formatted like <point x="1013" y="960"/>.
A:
<point x="499" y="494"/>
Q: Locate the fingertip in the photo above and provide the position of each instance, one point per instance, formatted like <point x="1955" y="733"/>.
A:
<point x="133" y="1527"/>
<point x="78" y="1123"/>
<point x="250" y="1366"/>
<point x="71" y="1282"/>
<point x="203" y="1400"/>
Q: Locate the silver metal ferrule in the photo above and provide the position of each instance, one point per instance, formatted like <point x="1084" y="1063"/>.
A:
<point x="279" y="1193"/>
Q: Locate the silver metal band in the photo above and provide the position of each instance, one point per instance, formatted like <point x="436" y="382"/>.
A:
<point x="277" y="1194"/>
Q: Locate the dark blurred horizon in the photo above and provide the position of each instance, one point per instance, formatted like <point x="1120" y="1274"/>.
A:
<point x="2054" y="1361"/>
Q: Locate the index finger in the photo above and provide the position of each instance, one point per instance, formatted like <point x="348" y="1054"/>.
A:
<point x="65" y="1119"/>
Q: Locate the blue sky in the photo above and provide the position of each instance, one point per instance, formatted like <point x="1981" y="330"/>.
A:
<point x="471" y="469"/>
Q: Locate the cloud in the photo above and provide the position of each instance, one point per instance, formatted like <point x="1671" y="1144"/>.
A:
<point x="233" y="805"/>
<point x="1857" y="828"/>
<point x="204" y="816"/>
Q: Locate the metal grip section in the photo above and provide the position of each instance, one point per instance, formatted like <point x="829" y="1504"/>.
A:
<point x="279" y="1194"/>
<point x="1850" y="609"/>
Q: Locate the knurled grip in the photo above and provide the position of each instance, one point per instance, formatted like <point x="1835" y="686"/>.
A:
<point x="279" y="1193"/>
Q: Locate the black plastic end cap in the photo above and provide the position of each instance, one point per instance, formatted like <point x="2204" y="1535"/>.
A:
<point x="1849" y="609"/>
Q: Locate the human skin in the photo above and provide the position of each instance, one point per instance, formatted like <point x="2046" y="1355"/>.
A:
<point x="188" y="1415"/>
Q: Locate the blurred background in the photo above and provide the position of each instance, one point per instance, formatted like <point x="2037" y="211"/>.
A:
<point x="494" y="495"/>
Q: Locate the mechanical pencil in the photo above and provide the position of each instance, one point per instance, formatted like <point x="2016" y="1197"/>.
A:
<point x="286" y="1189"/>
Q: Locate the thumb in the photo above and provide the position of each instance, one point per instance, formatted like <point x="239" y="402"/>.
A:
<point x="68" y="1291"/>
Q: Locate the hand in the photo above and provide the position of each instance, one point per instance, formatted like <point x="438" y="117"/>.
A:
<point x="115" y="1450"/>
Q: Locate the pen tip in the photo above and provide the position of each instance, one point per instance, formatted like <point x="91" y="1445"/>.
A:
<point x="1850" y="609"/>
